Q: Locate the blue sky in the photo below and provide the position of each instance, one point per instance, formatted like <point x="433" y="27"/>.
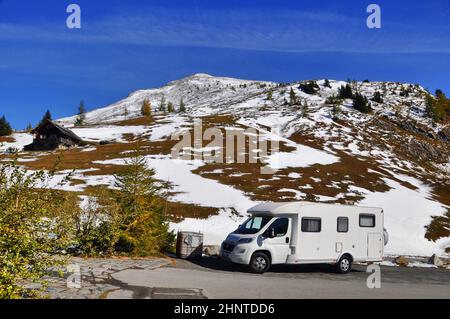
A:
<point x="125" y="46"/>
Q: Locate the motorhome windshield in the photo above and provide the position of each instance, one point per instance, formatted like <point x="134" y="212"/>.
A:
<point x="253" y="225"/>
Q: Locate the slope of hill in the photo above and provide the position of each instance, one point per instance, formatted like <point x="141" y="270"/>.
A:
<point x="393" y="157"/>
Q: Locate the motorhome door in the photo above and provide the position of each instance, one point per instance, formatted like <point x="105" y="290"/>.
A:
<point x="280" y="243"/>
<point x="374" y="245"/>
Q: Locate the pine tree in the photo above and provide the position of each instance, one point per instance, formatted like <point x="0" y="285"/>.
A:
<point x="146" y="109"/>
<point x="81" y="114"/>
<point x="327" y="83"/>
<point x="182" y="108"/>
<point x="345" y="92"/>
<point x="336" y="112"/>
<point x="29" y="127"/>
<point x="305" y="109"/>
<point x="162" y="104"/>
<point x="292" y="97"/>
<point x="361" y="103"/>
<point x="47" y="116"/>
<point x="5" y="127"/>
<point x="377" y="97"/>
<point x="269" y="95"/>
<point x="438" y="109"/>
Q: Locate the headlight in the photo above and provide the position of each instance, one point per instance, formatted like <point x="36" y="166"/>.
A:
<point x="245" y="240"/>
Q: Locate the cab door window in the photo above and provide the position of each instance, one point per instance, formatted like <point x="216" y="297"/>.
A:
<point x="280" y="226"/>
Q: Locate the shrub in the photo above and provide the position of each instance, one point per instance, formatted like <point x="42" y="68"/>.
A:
<point x="333" y="100"/>
<point x="35" y="224"/>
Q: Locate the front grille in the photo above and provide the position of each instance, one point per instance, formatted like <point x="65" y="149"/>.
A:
<point x="227" y="247"/>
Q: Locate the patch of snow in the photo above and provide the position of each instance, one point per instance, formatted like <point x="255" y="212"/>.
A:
<point x="20" y="140"/>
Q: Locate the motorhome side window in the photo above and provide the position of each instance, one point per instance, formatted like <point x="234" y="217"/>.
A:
<point x="280" y="226"/>
<point x="311" y="225"/>
<point x="366" y="220"/>
<point x="342" y="224"/>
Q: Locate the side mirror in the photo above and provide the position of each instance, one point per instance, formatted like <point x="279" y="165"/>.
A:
<point x="270" y="233"/>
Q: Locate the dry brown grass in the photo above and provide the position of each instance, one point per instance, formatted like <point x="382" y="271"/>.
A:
<point x="7" y="139"/>
<point x="360" y="171"/>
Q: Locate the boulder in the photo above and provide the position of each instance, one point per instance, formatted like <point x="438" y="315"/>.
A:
<point x="211" y="250"/>
<point x="401" y="261"/>
<point x="435" y="260"/>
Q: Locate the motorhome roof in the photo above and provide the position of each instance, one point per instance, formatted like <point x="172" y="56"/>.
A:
<point x="284" y="207"/>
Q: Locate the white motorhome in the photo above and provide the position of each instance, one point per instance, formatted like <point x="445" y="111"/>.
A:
<point x="307" y="233"/>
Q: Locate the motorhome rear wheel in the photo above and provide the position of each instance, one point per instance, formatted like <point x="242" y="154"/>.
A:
<point x="344" y="264"/>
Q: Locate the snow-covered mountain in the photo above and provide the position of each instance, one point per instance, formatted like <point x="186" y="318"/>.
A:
<point x="392" y="157"/>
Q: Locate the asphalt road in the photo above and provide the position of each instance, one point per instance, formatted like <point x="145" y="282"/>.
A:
<point x="213" y="278"/>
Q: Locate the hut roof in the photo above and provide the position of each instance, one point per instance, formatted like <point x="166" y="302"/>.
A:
<point x="43" y="127"/>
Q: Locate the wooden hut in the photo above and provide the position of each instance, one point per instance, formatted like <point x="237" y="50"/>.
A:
<point x="49" y="136"/>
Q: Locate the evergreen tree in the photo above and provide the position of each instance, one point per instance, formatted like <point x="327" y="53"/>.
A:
<point x="5" y="127"/>
<point x="269" y="95"/>
<point x="336" y="112"/>
<point x="47" y="116"/>
<point x="305" y="109"/>
<point x="377" y="97"/>
<point x="81" y="114"/>
<point x="182" y="108"/>
<point x="327" y="83"/>
<point x="345" y="92"/>
<point x="29" y="127"/>
<point x="162" y="104"/>
<point x="292" y="97"/>
<point x="146" y="109"/>
<point x="438" y="109"/>
<point x="361" y="103"/>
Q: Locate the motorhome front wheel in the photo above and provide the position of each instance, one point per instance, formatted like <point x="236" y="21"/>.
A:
<point x="259" y="263"/>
